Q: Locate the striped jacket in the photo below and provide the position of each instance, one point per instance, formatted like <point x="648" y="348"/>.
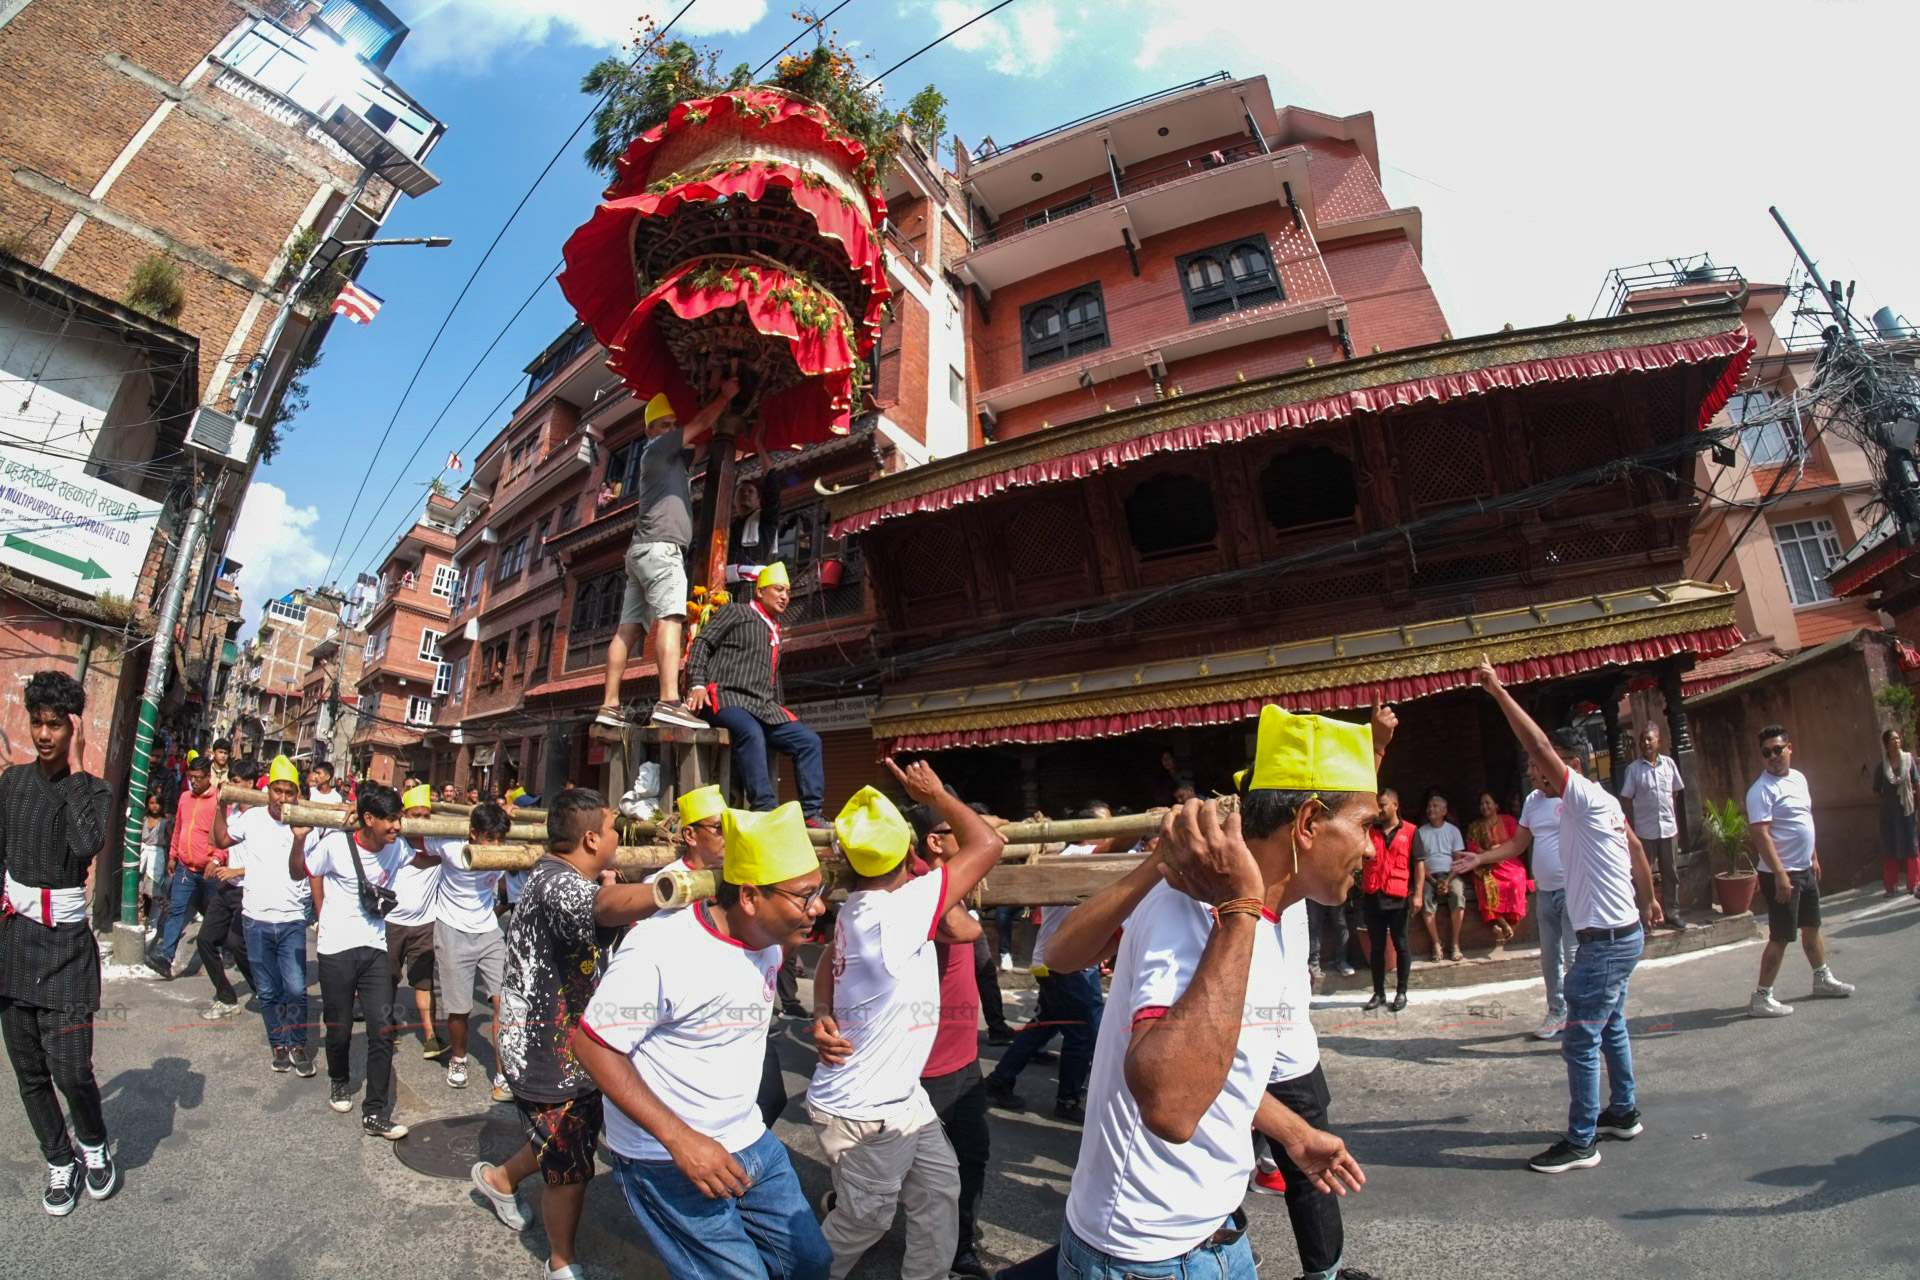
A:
<point x="737" y="657"/>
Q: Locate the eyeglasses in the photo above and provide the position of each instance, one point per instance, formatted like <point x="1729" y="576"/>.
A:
<point x="711" y="824"/>
<point x="1770" y="752"/>
<point x="806" y="900"/>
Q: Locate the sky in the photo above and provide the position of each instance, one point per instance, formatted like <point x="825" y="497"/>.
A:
<point x="1544" y="144"/>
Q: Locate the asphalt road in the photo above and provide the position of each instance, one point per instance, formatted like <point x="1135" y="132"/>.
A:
<point x="1773" y="1149"/>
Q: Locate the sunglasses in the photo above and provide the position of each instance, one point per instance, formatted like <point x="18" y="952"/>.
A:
<point x="1770" y="752"/>
<point x="806" y="900"/>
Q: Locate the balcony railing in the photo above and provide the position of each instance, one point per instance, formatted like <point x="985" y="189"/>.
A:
<point x="1104" y="191"/>
<point x="989" y="149"/>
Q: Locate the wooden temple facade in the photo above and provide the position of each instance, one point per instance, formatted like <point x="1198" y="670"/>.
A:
<point x="1058" y="609"/>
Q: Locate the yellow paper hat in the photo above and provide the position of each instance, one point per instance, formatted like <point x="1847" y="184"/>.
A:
<point x="1310" y="753"/>
<point x="282" y="770"/>
<point x="774" y="575"/>
<point x="192" y="756"/>
<point x="872" y="833"/>
<point x="421" y="797"/>
<point x="659" y="407"/>
<point x="700" y="804"/>
<point x="766" y="848"/>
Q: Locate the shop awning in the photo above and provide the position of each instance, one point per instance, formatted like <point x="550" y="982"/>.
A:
<point x="1312" y="397"/>
<point x="1542" y="642"/>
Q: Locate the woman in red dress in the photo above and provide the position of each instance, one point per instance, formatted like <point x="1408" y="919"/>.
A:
<point x="1501" y="888"/>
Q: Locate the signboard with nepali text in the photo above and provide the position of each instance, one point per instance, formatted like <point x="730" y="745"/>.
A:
<point x="65" y="527"/>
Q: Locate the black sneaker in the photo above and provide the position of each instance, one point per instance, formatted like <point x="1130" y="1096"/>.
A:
<point x="794" y="1009"/>
<point x="1000" y="1036"/>
<point x="1624" y="1125"/>
<point x="1379" y="999"/>
<point x="103" y="1176"/>
<point x="1000" y="1094"/>
<point x="161" y="967"/>
<point x="382" y="1127"/>
<point x="1073" y="1112"/>
<point x="1563" y="1156"/>
<point x="967" y="1263"/>
<point x="340" y="1096"/>
<point x="63" y="1189"/>
<point x="282" y="1060"/>
<point x="302" y="1061"/>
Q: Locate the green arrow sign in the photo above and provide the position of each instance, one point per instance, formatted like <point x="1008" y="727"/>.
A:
<point x="88" y="569"/>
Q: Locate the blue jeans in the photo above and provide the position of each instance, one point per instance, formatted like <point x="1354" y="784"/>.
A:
<point x="188" y="894"/>
<point x="1557" y="945"/>
<point x="1596" y="991"/>
<point x="767" y="1234"/>
<point x="1069" y="1003"/>
<point x="1079" y="1260"/>
<point x="751" y="739"/>
<point x="1003" y="927"/>
<point x="279" y="956"/>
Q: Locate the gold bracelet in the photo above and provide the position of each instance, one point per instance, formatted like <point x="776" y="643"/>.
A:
<point x="1241" y="907"/>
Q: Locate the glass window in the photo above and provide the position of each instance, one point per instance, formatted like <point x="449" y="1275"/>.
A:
<point x="1246" y="281"/>
<point x="1807" y="550"/>
<point x="443" y="678"/>
<point x="1205" y="273"/>
<point x="1062" y="327"/>
<point x="444" y="576"/>
<point x="1768" y="437"/>
<point x="430" y="645"/>
<point x="419" y="710"/>
<point x="956" y="387"/>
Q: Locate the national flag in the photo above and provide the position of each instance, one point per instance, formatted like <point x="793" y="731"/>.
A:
<point x="453" y="462"/>
<point x="356" y="304"/>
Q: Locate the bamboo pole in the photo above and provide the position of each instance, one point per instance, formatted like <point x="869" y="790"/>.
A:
<point x="252" y="797"/>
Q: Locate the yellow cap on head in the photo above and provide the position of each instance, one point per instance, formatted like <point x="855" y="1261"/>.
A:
<point x="700" y="804"/>
<point x="872" y="833"/>
<point x="774" y="575"/>
<point x="282" y="770"/>
<point x="1310" y="753"/>
<point x="420" y="797"/>
<point x="192" y="756"/>
<point x="660" y="407"/>
<point x="766" y="848"/>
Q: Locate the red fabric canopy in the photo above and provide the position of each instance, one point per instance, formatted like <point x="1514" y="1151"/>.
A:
<point x="599" y="275"/>
<point x="818" y="405"/>
<point x="1703" y="643"/>
<point x="1735" y="347"/>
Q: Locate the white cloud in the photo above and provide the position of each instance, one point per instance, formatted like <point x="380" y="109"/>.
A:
<point x="275" y="545"/>
<point x="450" y="33"/>
<point x="1026" y="48"/>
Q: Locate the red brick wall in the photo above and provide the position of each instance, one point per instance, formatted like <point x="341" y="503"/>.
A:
<point x="1344" y="184"/>
<point x="1389" y="301"/>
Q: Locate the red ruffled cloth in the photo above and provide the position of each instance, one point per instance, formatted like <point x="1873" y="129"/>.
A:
<point x="804" y="413"/>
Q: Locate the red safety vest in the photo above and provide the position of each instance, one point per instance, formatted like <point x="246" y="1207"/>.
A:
<point x="1387" y="872"/>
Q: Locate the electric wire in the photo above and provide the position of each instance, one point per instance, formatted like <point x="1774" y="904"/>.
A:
<point x="935" y="43"/>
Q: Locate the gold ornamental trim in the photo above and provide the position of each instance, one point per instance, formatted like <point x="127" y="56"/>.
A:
<point x="1463" y="355"/>
<point x="1553" y="640"/>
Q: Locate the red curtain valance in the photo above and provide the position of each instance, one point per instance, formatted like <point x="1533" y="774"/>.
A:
<point x="1735" y="346"/>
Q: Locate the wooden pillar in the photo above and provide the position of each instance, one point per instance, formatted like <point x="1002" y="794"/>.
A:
<point x="716" y="509"/>
<point x="1692" y="825"/>
<point x="1619" y="736"/>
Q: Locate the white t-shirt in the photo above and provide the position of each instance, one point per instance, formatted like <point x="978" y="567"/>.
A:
<point x="1593" y="849"/>
<point x="1134" y="1195"/>
<point x="1299" y="1050"/>
<point x="1786" y="806"/>
<point x="1052" y="917"/>
<point x="267" y="893"/>
<point x="1651" y="788"/>
<point x="690" y="1008"/>
<point x="343" y="924"/>
<point x="317" y="796"/>
<point x="465" y="900"/>
<point x="418" y="892"/>
<point x="886" y="998"/>
<point x="1437" y="845"/>
<point x="1541" y="817"/>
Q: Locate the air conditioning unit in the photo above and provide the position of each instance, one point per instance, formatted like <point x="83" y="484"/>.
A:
<point x="221" y="439"/>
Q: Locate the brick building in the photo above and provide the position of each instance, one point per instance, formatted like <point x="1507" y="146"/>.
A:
<point x="403" y="678"/>
<point x="265" y="702"/>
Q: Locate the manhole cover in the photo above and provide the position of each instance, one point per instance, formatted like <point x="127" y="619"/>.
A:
<point x="450" y="1148"/>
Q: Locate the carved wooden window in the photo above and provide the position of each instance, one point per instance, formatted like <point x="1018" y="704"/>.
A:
<point x="1443" y="460"/>
<point x="1309" y="486"/>
<point x="1171" y="515"/>
<point x="1064" y="326"/>
<point x="1227" y="278"/>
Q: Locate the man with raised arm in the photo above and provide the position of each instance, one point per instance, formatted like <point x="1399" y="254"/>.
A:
<point x="1610" y="897"/>
<point x="1295" y="1080"/>
<point x="675" y="1036"/>
<point x="881" y="1133"/>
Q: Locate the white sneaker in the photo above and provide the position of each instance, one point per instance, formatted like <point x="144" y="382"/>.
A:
<point x="1550" y="1026"/>
<point x="1006" y="963"/>
<point x="220" y="1009"/>
<point x="1763" y="1005"/>
<point x="457" y="1074"/>
<point x="1825" y="984"/>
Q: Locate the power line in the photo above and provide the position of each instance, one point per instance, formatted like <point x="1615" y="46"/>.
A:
<point x="942" y="40"/>
<point x="458" y="299"/>
<point x="811" y="26"/>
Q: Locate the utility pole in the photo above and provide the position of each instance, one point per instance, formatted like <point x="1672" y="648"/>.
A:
<point x="1895" y="435"/>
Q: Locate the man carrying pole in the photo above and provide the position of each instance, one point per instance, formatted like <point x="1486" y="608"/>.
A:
<point x="273" y="912"/>
<point x="881" y="1132"/>
<point x="675" y="1039"/>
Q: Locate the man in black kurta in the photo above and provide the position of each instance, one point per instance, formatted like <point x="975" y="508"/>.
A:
<point x="54" y="820"/>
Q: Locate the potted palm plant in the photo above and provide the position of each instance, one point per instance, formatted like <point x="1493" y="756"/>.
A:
<point x="1734" y="878"/>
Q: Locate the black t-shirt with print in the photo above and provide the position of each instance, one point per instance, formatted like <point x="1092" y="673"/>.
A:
<point x="555" y="956"/>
